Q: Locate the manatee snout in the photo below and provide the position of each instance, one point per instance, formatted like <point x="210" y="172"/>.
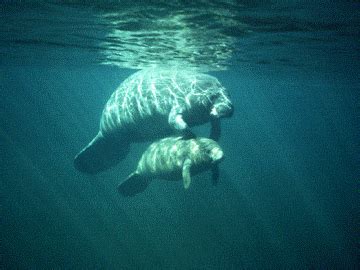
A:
<point x="216" y="154"/>
<point x="223" y="109"/>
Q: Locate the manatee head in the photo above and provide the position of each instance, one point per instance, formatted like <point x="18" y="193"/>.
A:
<point x="205" y="151"/>
<point x="221" y="106"/>
<point x="216" y="154"/>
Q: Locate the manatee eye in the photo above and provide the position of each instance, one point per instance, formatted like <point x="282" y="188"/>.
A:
<point x="213" y="98"/>
<point x="209" y="151"/>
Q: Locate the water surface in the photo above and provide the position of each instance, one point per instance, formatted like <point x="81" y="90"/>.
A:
<point x="288" y="190"/>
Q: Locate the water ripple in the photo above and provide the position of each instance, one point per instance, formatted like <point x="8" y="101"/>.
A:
<point x="193" y="34"/>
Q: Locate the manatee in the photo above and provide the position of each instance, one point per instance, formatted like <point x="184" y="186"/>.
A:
<point x="151" y="104"/>
<point x="173" y="158"/>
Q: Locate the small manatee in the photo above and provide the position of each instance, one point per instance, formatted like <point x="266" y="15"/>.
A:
<point x="173" y="158"/>
<point x="152" y="104"/>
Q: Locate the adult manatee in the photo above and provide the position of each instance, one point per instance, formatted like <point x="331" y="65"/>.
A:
<point x="152" y="104"/>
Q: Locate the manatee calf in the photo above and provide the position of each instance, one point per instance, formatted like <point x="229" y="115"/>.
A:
<point x="152" y="104"/>
<point x="173" y="158"/>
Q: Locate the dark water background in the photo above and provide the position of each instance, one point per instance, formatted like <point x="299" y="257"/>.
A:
<point x="288" y="195"/>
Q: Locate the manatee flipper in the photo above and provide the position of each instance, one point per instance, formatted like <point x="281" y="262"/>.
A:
<point x="215" y="174"/>
<point x="186" y="173"/>
<point x="177" y="122"/>
<point x="133" y="184"/>
<point x="215" y="132"/>
<point x="100" y="154"/>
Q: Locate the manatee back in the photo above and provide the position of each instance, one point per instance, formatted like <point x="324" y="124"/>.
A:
<point x="164" y="157"/>
<point x="152" y="93"/>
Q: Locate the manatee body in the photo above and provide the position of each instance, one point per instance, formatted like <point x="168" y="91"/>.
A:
<point x="173" y="158"/>
<point x="152" y="104"/>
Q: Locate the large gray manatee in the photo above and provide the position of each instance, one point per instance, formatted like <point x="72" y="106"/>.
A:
<point x="151" y="104"/>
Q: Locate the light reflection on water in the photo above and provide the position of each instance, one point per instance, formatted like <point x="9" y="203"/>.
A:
<point x="197" y="34"/>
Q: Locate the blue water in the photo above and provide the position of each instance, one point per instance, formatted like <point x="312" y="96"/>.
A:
<point x="288" y="193"/>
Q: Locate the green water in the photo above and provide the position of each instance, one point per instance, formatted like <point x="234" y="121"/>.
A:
<point x="288" y="192"/>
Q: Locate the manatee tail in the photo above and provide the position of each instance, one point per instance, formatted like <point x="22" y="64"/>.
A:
<point x="100" y="154"/>
<point x="133" y="185"/>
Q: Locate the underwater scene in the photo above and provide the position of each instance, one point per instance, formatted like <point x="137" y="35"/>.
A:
<point x="179" y="134"/>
